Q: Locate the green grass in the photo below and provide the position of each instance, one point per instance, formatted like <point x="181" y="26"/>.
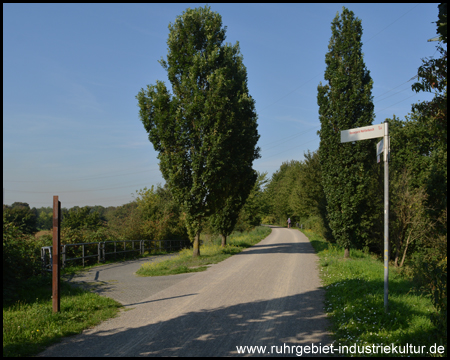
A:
<point x="354" y="301"/>
<point x="73" y="269"/>
<point x="210" y="253"/>
<point x="29" y="325"/>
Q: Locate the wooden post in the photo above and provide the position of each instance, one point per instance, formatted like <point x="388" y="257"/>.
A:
<point x="56" y="256"/>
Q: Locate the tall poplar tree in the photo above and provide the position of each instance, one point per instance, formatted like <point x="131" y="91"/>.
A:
<point x="345" y="102"/>
<point x="206" y="130"/>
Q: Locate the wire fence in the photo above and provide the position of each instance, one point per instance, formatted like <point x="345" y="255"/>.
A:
<point x="83" y="252"/>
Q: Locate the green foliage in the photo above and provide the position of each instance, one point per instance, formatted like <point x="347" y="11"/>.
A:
<point x="435" y="274"/>
<point x="29" y="324"/>
<point x="430" y="272"/>
<point x="44" y="219"/>
<point x="250" y="213"/>
<point x="160" y="216"/>
<point x="206" y="131"/>
<point x="345" y="103"/>
<point x="296" y="191"/>
<point x="408" y="221"/>
<point x="21" y="257"/>
<point x="442" y="22"/>
<point x="432" y="116"/>
<point x="124" y="221"/>
<point x="20" y="214"/>
<point x="81" y="218"/>
<point x="280" y="190"/>
<point x="308" y="198"/>
<point x="212" y="253"/>
<point x="315" y="224"/>
<point x="419" y="148"/>
<point x="154" y="215"/>
<point x="355" y="306"/>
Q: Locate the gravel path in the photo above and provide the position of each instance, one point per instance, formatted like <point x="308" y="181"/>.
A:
<point x="119" y="281"/>
<point x="268" y="295"/>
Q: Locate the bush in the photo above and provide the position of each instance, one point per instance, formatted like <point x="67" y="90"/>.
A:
<point x="269" y="220"/>
<point x="430" y="274"/>
<point x="315" y="223"/>
<point x="21" y="216"/>
<point x="21" y="257"/>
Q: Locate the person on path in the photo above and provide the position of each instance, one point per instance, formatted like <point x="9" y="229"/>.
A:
<point x="289" y="222"/>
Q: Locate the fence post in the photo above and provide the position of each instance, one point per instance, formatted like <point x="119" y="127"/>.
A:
<point x="64" y="256"/>
<point x="55" y="257"/>
<point x="43" y="261"/>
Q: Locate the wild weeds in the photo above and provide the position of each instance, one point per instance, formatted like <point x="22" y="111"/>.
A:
<point x="354" y="301"/>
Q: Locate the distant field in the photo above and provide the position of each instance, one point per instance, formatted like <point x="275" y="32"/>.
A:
<point x="42" y="232"/>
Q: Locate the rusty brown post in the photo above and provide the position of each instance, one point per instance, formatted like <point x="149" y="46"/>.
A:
<point x="56" y="256"/>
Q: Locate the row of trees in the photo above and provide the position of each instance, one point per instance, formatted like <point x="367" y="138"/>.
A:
<point x="30" y="220"/>
<point x="153" y="215"/>
<point x="205" y="133"/>
<point x="340" y="186"/>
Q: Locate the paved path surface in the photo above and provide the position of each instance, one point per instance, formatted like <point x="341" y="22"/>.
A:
<point x="119" y="281"/>
<point x="268" y="295"/>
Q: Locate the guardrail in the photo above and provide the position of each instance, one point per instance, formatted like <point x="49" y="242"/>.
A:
<point x="103" y="248"/>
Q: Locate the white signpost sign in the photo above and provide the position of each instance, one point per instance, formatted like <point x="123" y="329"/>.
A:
<point x="371" y="132"/>
<point x="362" y="133"/>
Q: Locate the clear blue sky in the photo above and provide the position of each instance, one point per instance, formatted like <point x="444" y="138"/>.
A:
<point x="71" y="73"/>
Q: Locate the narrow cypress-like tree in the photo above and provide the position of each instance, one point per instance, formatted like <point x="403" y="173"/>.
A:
<point x="345" y="102"/>
<point x="206" y="131"/>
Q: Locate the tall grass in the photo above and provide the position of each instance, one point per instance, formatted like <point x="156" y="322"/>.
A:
<point x="355" y="301"/>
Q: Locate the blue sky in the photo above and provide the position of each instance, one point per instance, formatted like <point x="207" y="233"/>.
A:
<point x="71" y="73"/>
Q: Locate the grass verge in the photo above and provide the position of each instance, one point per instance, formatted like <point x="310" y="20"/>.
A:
<point x="354" y="303"/>
<point x="29" y="325"/>
<point x="210" y="253"/>
<point x="76" y="269"/>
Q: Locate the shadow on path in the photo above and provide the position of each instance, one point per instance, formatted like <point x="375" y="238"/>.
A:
<point x="286" y="248"/>
<point x="294" y="320"/>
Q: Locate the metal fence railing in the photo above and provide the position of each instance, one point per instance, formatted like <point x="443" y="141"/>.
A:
<point x="99" y="250"/>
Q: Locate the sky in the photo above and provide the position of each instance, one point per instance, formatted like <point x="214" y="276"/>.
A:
<point x="71" y="73"/>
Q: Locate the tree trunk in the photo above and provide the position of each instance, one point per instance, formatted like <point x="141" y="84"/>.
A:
<point x="224" y="240"/>
<point x="406" y="247"/>
<point x="196" y="245"/>
<point x="398" y="245"/>
<point x="396" y="257"/>
<point x="346" y="253"/>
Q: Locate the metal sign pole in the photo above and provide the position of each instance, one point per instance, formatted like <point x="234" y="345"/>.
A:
<point x="386" y="214"/>
<point x="56" y="255"/>
<point x="372" y="132"/>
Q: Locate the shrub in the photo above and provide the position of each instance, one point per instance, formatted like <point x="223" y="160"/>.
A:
<point x="21" y="257"/>
<point x="315" y="223"/>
